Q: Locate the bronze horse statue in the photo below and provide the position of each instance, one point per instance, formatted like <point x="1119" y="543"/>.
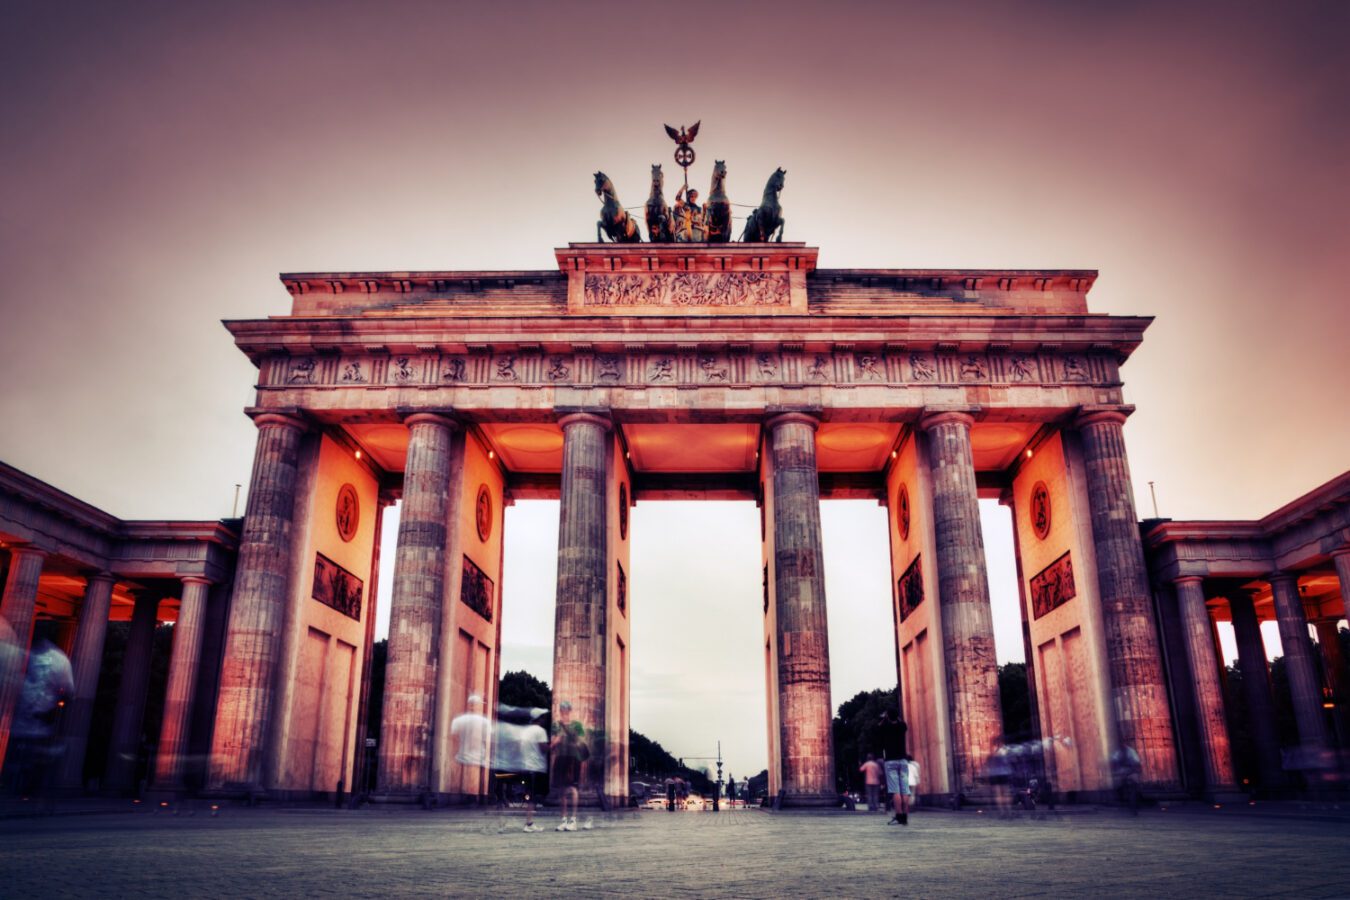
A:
<point x="768" y="217"/>
<point x="660" y="230"/>
<point x="614" y="219"/>
<point x="717" y="211"/>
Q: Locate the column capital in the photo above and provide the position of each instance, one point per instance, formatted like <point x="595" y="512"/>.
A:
<point x="411" y="418"/>
<point x="99" y="575"/>
<point x="284" y="419"/>
<point x="1188" y="579"/>
<point x="17" y="551"/>
<point x="1342" y="552"/>
<point x="1279" y="577"/>
<point x="931" y="418"/>
<point x="196" y="579"/>
<point x="1094" y="415"/>
<point x="577" y="418"/>
<point x="796" y="417"/>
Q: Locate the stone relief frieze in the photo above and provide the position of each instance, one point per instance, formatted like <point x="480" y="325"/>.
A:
<point x="453" y="370"/>
<point x="972" y="369"/>
<point x="607" y="368"/>
<point x="1020" y="368"/>
<point x="302" y="371"/>
<point x="402" y="370"/>
<point x="868" y="365"/>
<point x="713" y="369"/>
<point x="662" y="369"/>
<point x="352" y="373"/>
<point x="922" y="367"/>
<point x="688" y="289"/>
<point x="690" y="368"/>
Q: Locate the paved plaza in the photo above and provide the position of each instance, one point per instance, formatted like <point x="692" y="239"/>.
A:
<point x="751" y="853"/>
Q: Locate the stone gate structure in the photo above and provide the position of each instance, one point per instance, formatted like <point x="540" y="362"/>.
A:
<point x="638" y="372"/>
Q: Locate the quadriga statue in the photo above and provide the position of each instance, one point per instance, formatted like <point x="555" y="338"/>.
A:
<point x="614" y="219"/>
<point x="768" y="217"/>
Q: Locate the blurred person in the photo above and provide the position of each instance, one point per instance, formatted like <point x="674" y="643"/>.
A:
<point x="872" y="775"/>
<point x="48" y="683"/>
<point x="534" y="763"/>
<point x="472" y="734"/>
<point x="999" y="771"/>
<point x="1125" y="771"/>
<point x="568" y="752"/>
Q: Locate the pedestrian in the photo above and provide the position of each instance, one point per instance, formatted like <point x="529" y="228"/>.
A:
<point x="872" y="775"/>
<point x="534" y="763"/>
<point x="899" y="773"/>
<point x="568" y="752"/>
<point x="472" y="733"/>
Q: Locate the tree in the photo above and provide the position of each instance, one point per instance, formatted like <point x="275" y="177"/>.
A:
<point x="855" y="732"/>
<point x="1014" y="694"/>
<point x="522" y="689"/>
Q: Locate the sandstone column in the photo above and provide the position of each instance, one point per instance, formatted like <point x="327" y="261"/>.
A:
<point x="183" y="663"/>
<point x="581" y="631"/>
<point x="86" y="661"/>
<point x="406" y="735"/>
<point x="1305" y="687"/>
<point x="257" y="612"/>
<point x="799" y="592"/>
<point x="129" y="714"/>
<point x="963" y="594"/>
<point x="17" y="610"/>
<point x="1333" y="663"/>
<point x="1199" y="639"/>
<point x="1341" y="559"/>
<point x="1256" y="688"/>
<point x="1138" y="688"/>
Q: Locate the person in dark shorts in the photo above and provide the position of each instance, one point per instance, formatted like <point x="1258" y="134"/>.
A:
<point x="534" y="763"/>
<point x="568" y="752"/>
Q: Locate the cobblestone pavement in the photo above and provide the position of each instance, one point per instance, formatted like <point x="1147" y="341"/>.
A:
<point x="749" y="853"/>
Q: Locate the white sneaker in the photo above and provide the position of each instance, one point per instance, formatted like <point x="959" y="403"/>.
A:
<point x="533" y="827"/>
<point x="590" y="823"/>
<point x="572" y="824"/>
<point x="562" y="826"/>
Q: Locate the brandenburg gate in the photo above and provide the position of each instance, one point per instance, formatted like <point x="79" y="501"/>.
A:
<point x="662" y="371"/>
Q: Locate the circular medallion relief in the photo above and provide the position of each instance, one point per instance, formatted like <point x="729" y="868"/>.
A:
<point x="623" y="511"/>
<point x="1040" y="510"/>
<point x="482" y="512"/>
<point x="348" y="512"/>
<point x="902" y="512"/>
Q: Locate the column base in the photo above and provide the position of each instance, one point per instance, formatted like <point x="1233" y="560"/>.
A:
<point x="810" y="801"/>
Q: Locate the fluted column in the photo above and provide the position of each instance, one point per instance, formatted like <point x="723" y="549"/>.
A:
<point x="183" y="664"/>
<point x="1138" y="687"/>
<point x="1341" y="559"/>
<point x="804" y="707"/>
<point x="581" y="631"/>
<point x="1304" y="686"/>
<point x="257" y="611"/>
<point x="1199" y="639"/>
<point x="963" y="594"/>
<point x="1256" y="688"/>
<point x="1328" y="641"/>
<point x="17" y="610"/>
<point x="86" y="661"/>
<point x="129" y="714"/>
<point x="406" y="734"/>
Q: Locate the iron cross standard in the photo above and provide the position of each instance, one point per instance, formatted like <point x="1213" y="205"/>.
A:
<point x="684" y="154"/>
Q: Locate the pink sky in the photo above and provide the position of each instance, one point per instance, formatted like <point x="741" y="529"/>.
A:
<point x="162" y="162"/>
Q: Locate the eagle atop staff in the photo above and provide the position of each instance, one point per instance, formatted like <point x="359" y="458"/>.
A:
<point x="682" y="136"/>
